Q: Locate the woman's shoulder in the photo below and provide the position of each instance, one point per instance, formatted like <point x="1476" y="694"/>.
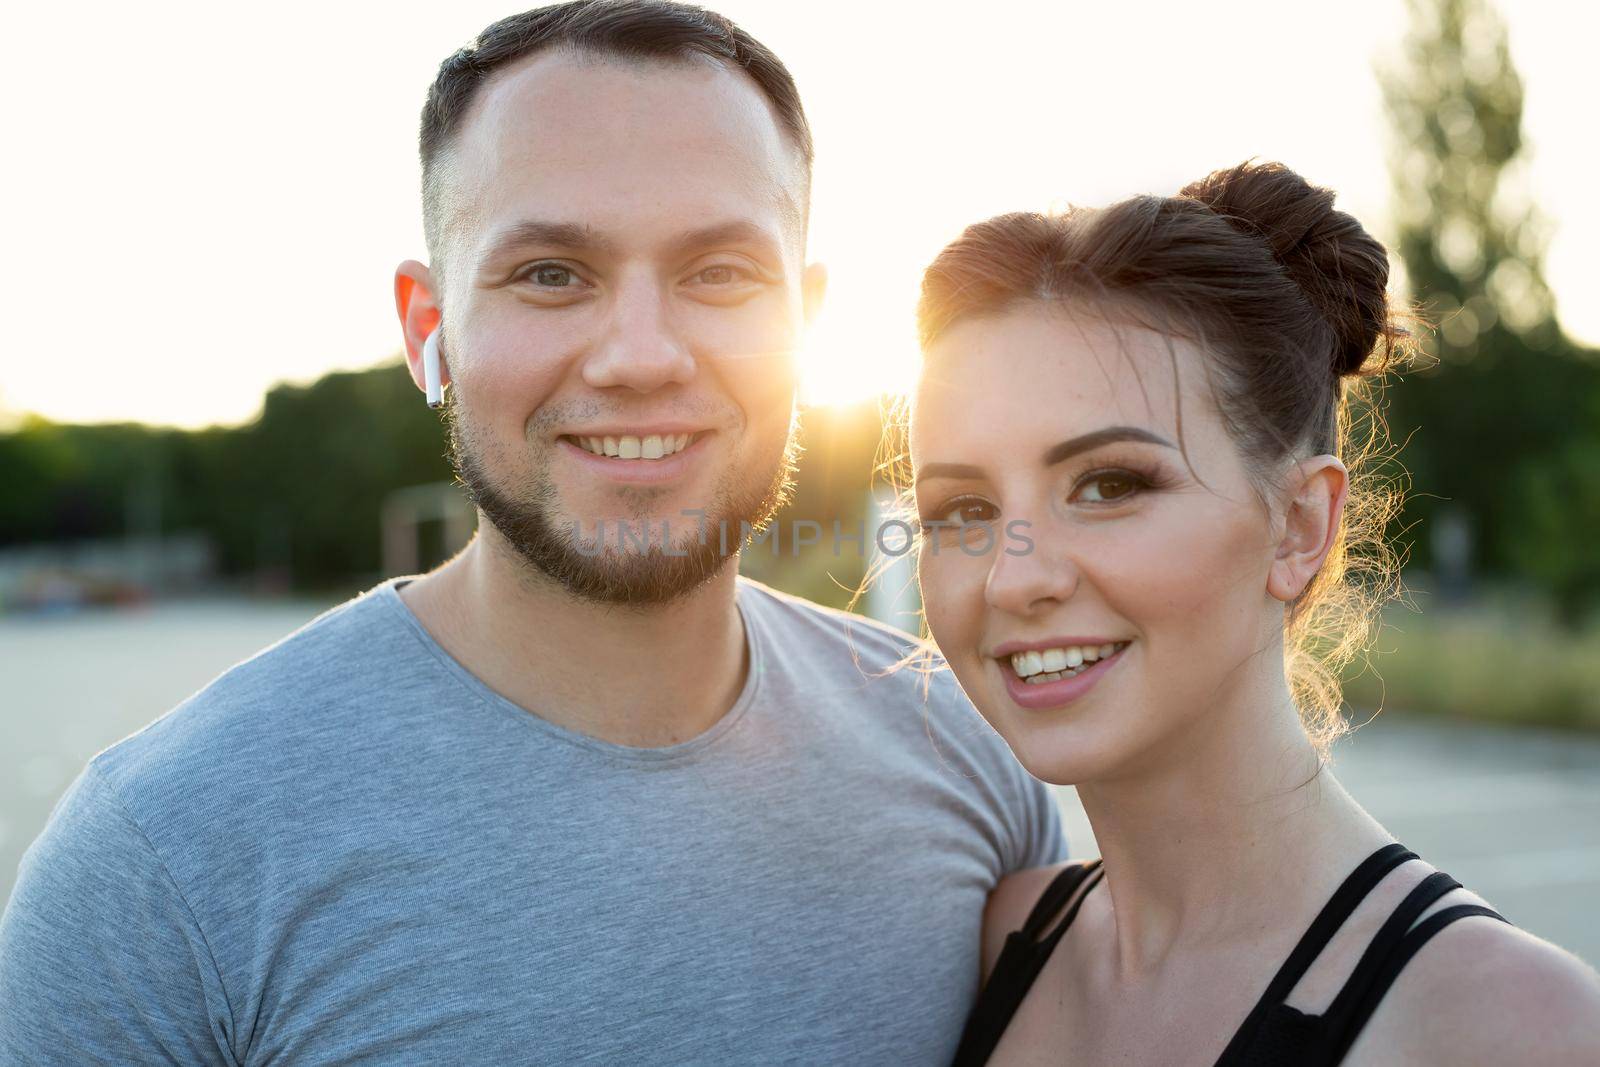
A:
<point x="1011" y="902"/>
<point x="1485" y="992"/>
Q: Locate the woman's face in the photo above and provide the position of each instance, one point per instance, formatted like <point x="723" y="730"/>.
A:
<point x="1124" y="591"/>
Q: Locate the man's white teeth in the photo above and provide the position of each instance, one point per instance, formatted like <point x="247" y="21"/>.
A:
<point x="652" y="446"/>
<point x="1053" y="664"/>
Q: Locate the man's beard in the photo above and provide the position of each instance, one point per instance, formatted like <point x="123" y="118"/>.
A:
<point x="603" y="572"/>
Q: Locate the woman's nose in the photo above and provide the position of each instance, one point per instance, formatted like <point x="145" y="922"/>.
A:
<point x="1028" y="577"/>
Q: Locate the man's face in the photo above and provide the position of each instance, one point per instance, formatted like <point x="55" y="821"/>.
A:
<point x="622" y="301"/>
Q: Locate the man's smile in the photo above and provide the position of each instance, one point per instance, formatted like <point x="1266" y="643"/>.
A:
<point x="637" y="458"/>
<point x="644" y="445"/>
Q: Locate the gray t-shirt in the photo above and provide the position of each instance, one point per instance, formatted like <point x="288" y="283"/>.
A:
<point x="347" y="849"/>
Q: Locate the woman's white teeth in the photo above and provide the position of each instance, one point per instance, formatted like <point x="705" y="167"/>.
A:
<point x="651" y="446"/>
<point x="1053" y="664"/>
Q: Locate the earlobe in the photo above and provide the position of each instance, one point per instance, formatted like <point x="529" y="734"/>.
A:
<point x="1312" y="514"/>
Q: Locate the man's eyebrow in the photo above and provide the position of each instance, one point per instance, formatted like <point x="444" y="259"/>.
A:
<point x="1071" y="447"/>
<point x="1055" y="453"/>
<point x="735" y="231"/>
<point x="578" y="237"/>
<point x="567" y="235"/>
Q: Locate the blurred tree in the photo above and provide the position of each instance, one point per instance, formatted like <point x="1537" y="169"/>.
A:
<point x="298" y="490"/>
<point x="1506" y="404"/>
<point x="833" y="480"/>
<point x="296" y="494"/>
<point x="64" y="482"/>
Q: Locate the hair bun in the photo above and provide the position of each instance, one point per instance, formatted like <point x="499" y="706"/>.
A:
<point x="1342" y="269"/>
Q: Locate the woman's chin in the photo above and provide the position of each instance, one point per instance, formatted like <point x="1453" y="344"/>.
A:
<point x="1063" y="768"/>
<point x="1086" y="738"/>
<point x="1061" y="750"/>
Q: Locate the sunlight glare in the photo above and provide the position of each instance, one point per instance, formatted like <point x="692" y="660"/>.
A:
<point x="855" y="351"/>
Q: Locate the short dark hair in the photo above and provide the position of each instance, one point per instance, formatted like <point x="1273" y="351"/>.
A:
<point x="631" y="29"/>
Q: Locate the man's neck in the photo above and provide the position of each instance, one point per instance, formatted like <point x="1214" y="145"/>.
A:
<point x="647" y="677"/>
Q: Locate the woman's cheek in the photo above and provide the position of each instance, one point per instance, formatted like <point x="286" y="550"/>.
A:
<point x="952" y="598"/>
<point x="1194" y="583"/>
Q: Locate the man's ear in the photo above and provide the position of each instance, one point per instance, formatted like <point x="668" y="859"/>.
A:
<point x="1313" y="508"/>
<point x="813" y="286"/>
<point x="418" y="306"/>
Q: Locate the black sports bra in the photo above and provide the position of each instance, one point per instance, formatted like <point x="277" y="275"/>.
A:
<point x="1273" y="1033"/>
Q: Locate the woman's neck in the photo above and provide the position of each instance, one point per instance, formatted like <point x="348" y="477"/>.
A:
<point x="1232" y="829"/>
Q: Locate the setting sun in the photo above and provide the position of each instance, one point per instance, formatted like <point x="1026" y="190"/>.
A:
<point x="855" y="352"/>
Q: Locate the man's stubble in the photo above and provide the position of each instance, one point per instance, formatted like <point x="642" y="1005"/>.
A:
<point x="606" y="572"/>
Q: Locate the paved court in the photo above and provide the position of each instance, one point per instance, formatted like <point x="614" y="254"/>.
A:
<point x="1514" y="814"/>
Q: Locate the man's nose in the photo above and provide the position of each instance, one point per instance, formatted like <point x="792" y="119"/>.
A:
<point x="642" y="348"/>
<point x="1030" y="576"/>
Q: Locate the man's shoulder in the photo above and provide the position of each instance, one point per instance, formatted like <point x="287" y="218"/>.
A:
<point x="265" y="707"/>
<point x="892" y="667"/>
<point x="892" y="697"/>
<point x="878" y="644"/>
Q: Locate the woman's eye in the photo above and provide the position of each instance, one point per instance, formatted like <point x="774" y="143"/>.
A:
<point x="962" y="512"/>
<point x="1109" y="486"/>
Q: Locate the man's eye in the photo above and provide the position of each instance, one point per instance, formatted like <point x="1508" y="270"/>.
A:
<point x="551" y="276"/>
<point x="722" y="274"/>
<point x="1109" y="486"/>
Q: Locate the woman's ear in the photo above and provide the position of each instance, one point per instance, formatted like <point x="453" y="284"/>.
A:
<point x="1313" y="507"/>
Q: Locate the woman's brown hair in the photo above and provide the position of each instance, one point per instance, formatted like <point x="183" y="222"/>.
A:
<point x="1287" y="297"/>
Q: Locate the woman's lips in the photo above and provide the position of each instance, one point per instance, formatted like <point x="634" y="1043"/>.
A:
<point x="1038" y="696"/>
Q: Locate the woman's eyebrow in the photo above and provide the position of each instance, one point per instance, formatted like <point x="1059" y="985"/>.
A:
<point x="948" y="470"/>
<point x="1055" y="453"/>
<point x="1071" y="447"/>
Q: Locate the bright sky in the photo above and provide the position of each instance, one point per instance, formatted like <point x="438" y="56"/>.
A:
<point x="206" y="199"/>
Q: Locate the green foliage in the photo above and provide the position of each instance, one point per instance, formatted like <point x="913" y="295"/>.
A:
<point x="314" y="469"/>
<point x="65" y="482"/>
<point x="832" y="485"/>
<point x="1504" y="421"/>
<point x="296" y="491"/>
<point x="1454" y="663"/>
<point x="1558" y="502"/>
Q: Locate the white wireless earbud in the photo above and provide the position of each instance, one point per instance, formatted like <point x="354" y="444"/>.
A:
<point x="430" y="369"/>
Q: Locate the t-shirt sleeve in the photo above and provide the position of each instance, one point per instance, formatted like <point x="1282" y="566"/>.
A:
<point x="1043" y="840"/>
<point x="101" y="960"/>
<point x="1028" y="819"/>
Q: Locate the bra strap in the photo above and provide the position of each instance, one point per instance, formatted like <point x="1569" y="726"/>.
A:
<point x="1060" y="889"/>
<point x="1351" y="892"/>
<point x="1021" y="959"/>
<point x="1387" y="956"/>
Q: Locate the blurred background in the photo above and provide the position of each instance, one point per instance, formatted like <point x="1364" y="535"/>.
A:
<point x="207" y="436"/>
